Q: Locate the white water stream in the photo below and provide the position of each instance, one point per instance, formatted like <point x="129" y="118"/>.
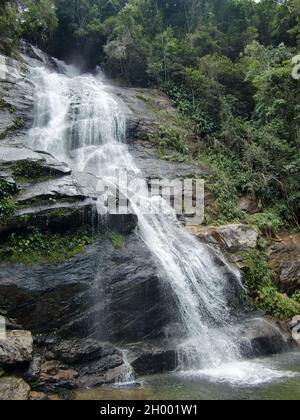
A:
<point x="79" y="122"/>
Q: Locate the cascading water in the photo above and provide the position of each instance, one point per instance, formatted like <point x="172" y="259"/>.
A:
<point x="79" y="122"/>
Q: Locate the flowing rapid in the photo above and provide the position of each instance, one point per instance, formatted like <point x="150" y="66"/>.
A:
<point x="80" y="122"/>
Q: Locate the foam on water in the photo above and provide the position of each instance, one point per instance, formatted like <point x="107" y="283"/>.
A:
<point x="241" y="373"/>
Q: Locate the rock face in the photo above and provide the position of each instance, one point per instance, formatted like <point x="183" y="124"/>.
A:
<point x="263" y="337"/>
<point x="106" y="292"/>
<point x="69" y="364"/>
<point x="16" y="348"/>
<point x="154" y="168"/>
<point x="231" y="238"/>
<point x="13" y="389"/>
<point x="295" y="328"/>
<point x="147" y="359"/>
<point x="284" y="259"/>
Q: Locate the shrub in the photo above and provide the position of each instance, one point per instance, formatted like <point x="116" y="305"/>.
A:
<point x="7" y="204"/>
<point x="259" y="281"/>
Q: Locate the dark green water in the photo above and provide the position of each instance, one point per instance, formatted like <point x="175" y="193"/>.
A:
<point x="276" y="378"/>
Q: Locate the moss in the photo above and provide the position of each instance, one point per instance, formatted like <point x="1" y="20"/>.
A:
<point x="19" y="122"/>
<point x="7" y="203"/>
<point x="259" y="281"/>
<point x="35" y="247"/>
<point x="117" y="240"/>
<point x="2" y="103"/>
<point x="30" y="171"/>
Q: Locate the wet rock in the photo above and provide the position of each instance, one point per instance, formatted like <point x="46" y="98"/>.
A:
<point x="141" y="120"/>
<point x="12" y="156"/>
<point x="106" y="370"/>
<point x="147" y="359"/>
<point x="284" y="260"/>
<point x="231" y="238"/>
<point x="263" y="337"/>
<point x="82" y="351"/>
<point x="16" y="347"/>
<point x="53" y="166"/>
<point x="69" y="364"/>
<point x="9" y="155"/>
<point x="111" y="376"/>
<point x="294" y="326"/>
<point x="102" y="366"/>
<point x="13" y="389"/>
<point x="7" y="122"/>
<point x="106" y="293"/>
<point x="16" y="92"/>
<point x="51" y="376"/>
<point x="92" y="381"/>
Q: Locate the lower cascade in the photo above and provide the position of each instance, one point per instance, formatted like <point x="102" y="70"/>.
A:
<point x="80" y="122"/>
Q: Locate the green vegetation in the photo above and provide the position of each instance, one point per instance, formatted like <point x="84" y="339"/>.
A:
<point x="117" y="240"/>
<point x="28" y="170"/>
<point x="227" y="67"/>
<point x="7" y="204"/>
<point x="261" y="287"/>
<point x="34" y="20"/>
<point x="35" y="247"/>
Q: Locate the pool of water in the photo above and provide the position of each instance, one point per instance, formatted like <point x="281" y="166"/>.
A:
<point x="275" y="378"/>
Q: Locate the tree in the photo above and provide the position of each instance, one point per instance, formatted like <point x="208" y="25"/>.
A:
<point x="9" y="26"/>
<point x="38" y="20"/>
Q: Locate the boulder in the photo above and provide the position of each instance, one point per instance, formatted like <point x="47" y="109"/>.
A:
<point x="231" y="238"/>
<point x="148" y="359"/>
<point x="263" y="337"/>
<point x="16" y="347"/>
<point x="295" y="329"/>
<point x="103" y="364"/>
<point x="284" y="260"/>
<point x="13" y="389"/>
<point x="248" y="204"/>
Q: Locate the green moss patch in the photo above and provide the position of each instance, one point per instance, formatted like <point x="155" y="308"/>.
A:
<point x="7" y="203"/>
<point x="35" y="247"/>
<point x="117" y="240"/>
<point x="29" y="170"/>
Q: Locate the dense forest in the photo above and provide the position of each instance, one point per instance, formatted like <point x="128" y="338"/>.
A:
<point x="106" y="290"/>
<point x="225" y="63"/>
<point x="227" y="67"/>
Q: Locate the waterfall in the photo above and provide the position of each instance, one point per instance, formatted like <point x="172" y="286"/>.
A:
<point x="78" y="121"/>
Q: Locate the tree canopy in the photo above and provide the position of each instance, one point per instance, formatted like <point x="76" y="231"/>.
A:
<point x="226" y="64"/>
